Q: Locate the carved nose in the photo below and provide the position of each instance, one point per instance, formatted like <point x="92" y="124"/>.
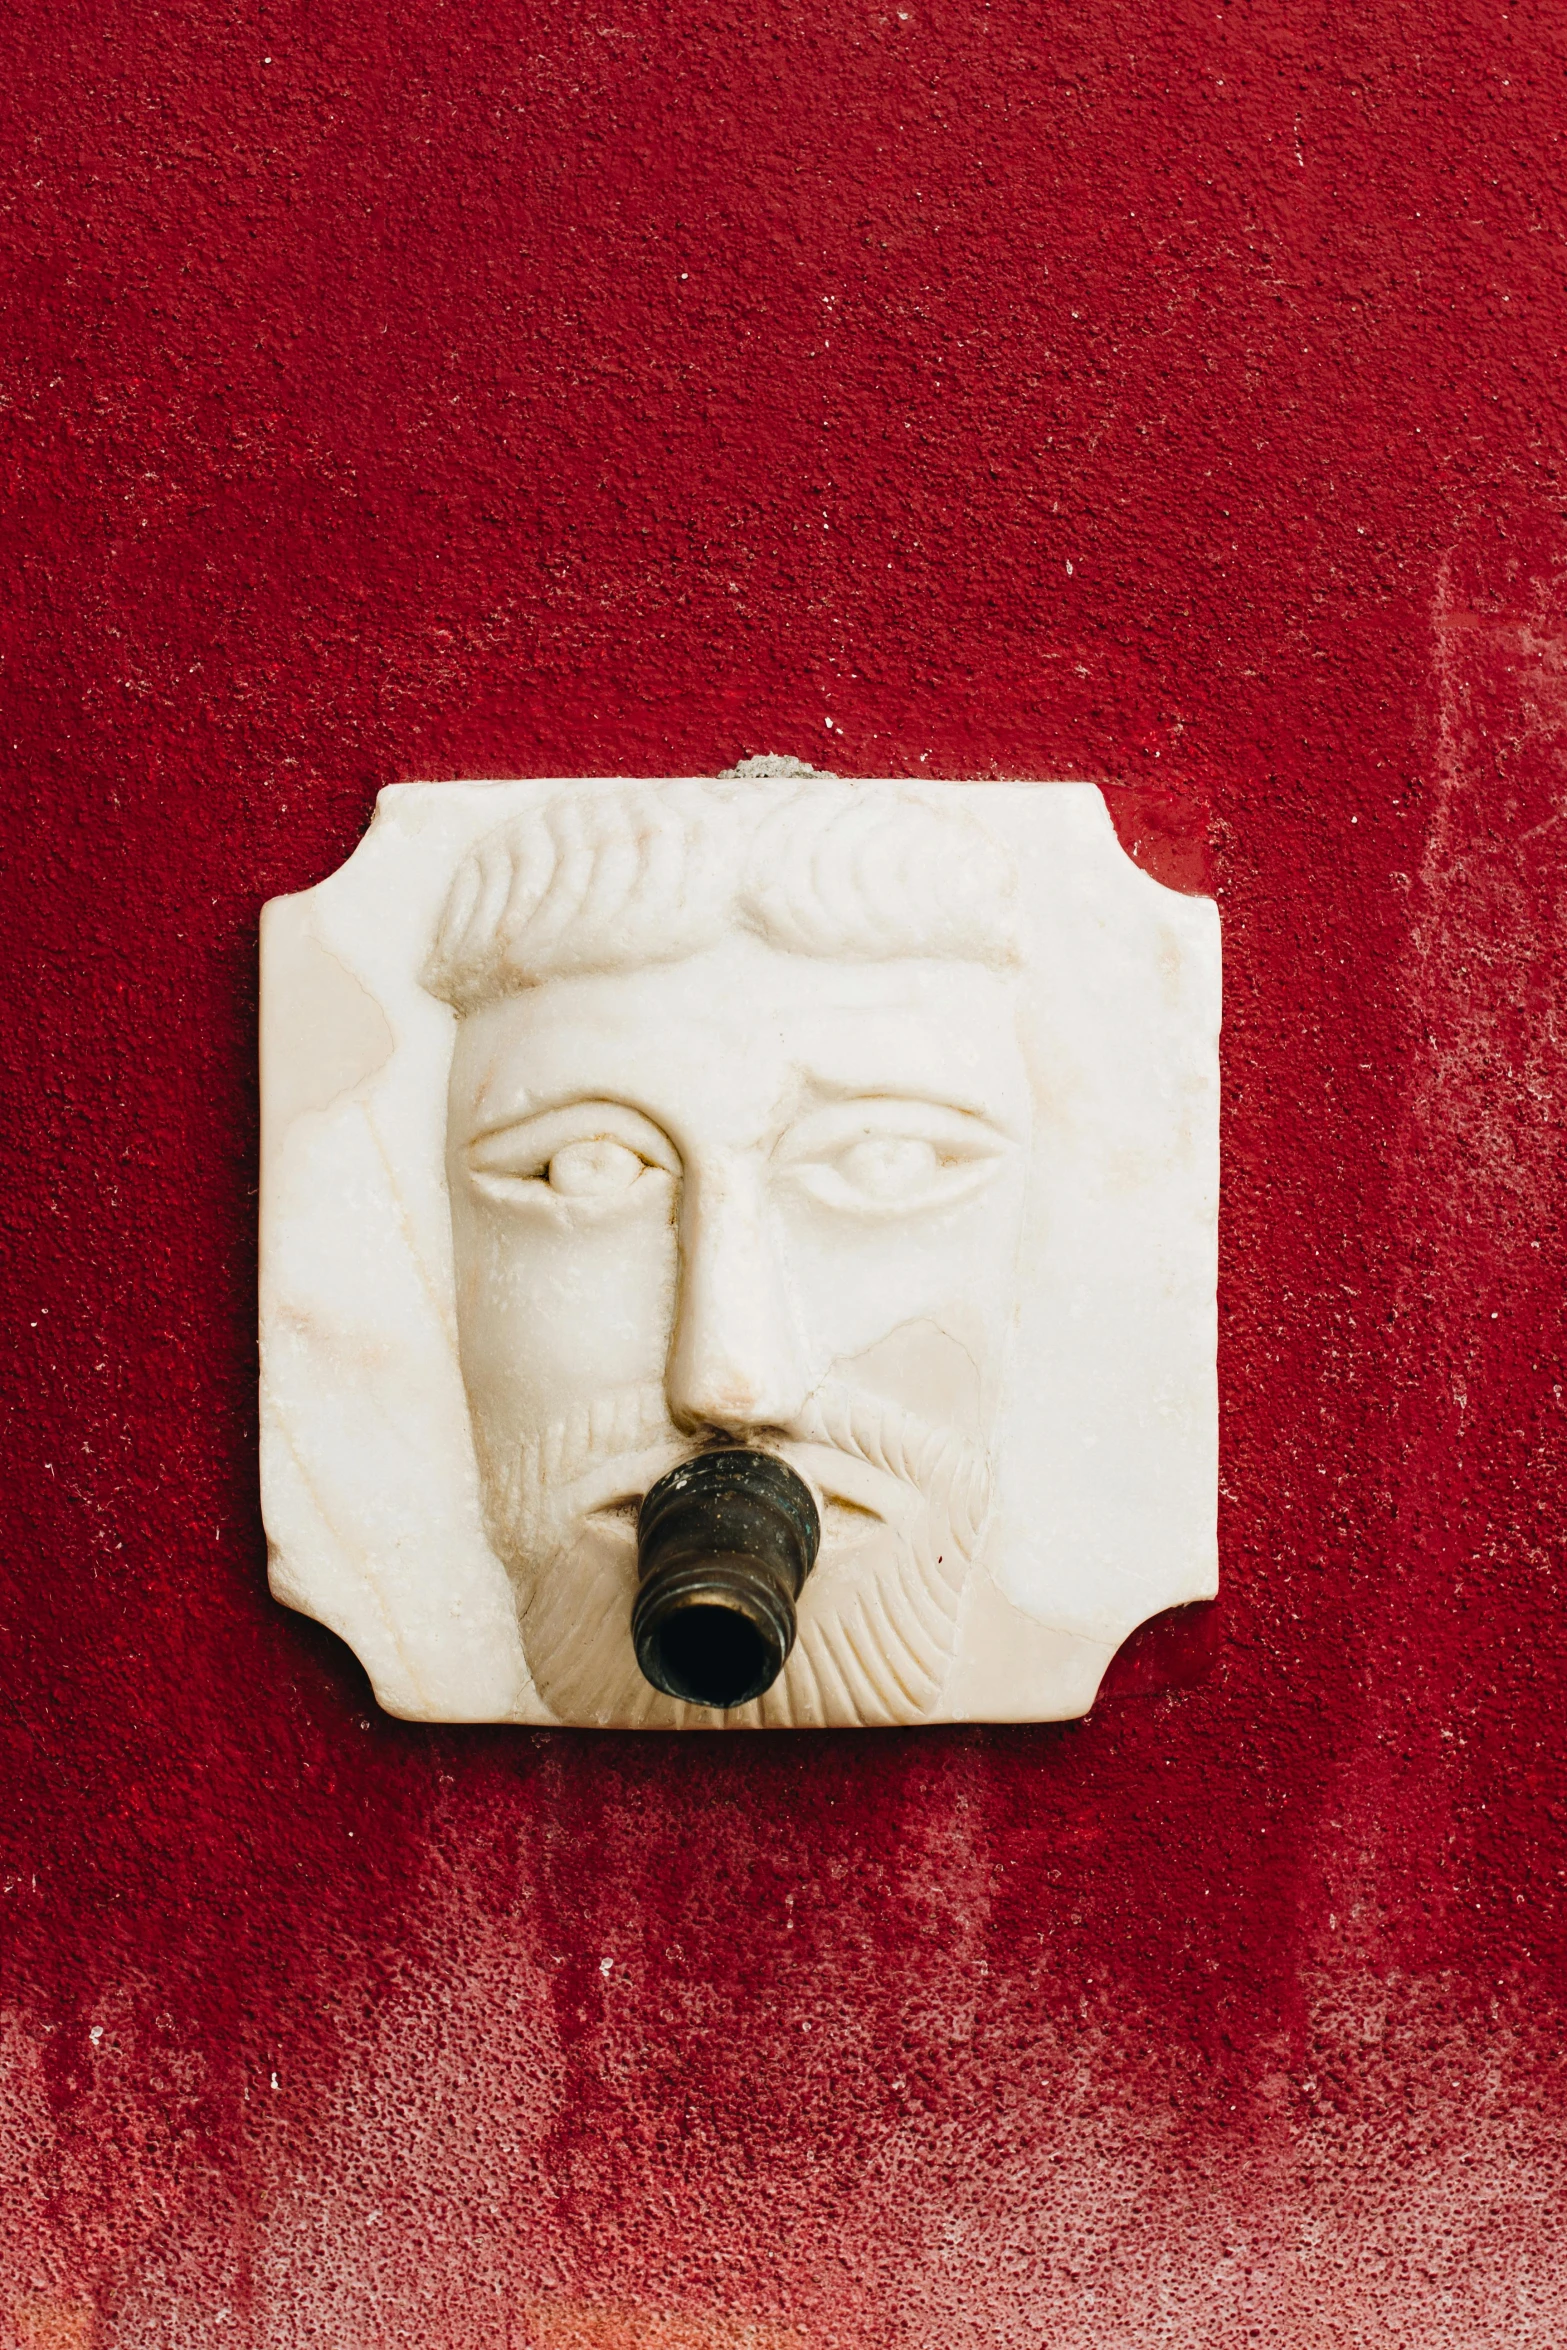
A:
<point x="735" y="1362"/>
<point x="724" y="1544"/>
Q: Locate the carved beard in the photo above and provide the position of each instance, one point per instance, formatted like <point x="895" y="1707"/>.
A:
<point x="905" y="1506"/>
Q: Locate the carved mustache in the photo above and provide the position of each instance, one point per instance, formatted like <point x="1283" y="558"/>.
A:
<point x="854" y="1447"/>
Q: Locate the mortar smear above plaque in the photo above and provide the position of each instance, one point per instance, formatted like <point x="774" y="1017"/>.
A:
<point x="835" y="1162"/>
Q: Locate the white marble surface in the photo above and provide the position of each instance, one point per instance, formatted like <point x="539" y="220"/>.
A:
<point x="873" y="1123"/>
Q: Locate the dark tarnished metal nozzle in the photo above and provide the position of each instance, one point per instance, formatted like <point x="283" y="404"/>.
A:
<point x="724" y="1544"/>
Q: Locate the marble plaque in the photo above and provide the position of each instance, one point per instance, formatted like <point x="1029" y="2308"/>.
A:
<point x="869" y="1126"/>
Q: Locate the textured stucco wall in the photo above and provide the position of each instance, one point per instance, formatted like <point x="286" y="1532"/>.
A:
<point x="1138" y="388"/>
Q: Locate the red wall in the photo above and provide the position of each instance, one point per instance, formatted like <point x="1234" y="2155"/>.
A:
<point x="1144" y="389"/>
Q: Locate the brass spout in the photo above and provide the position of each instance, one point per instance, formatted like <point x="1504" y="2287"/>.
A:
<point x="724" y="1544"/>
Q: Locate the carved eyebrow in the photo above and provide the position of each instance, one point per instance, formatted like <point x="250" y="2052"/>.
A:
<point x="531" y="1107"/>
<point x="826" y="1091"/>
<point x="832" y="1125"/>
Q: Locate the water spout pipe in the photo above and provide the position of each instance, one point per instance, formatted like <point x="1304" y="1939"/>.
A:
<point x="724" y="1544"/>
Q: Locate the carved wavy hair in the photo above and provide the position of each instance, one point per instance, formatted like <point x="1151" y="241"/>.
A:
<point x="648" y="873"/>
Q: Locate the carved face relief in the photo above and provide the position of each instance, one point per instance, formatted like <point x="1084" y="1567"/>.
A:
<point x="750" y="1196"/>
<point x="752" y="1118"/>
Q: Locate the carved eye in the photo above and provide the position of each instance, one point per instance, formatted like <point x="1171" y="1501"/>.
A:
<point x="586" y="1155"/>
<point x="594" y="1170"/>
<point x="889" y="1167"/>
<point x="884" y="1157"/>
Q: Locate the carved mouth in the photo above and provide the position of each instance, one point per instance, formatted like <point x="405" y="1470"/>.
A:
<point x="853" y="1491"/>
<point x="624" y="1507"/>
<point x="612" y="1489"/>
<point x="855" y="1497"/>
<point x="852" y="1495"/>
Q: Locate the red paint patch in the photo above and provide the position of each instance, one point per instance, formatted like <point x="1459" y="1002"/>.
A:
<point x="1167" y="830"/>
<point x="1173" y="1650"/>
